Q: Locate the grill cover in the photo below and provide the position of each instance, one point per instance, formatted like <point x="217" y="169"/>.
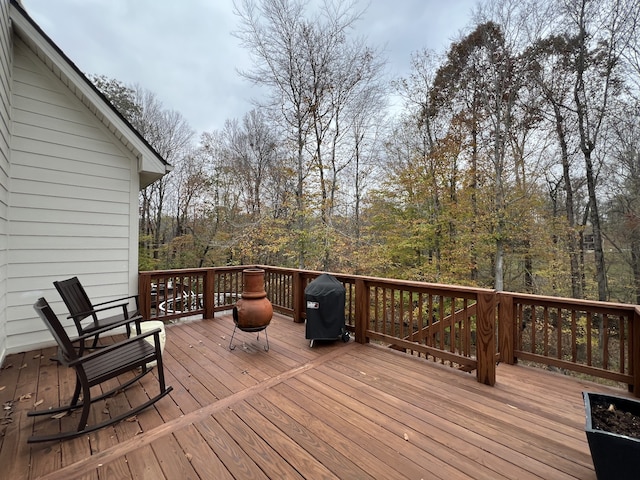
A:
<point x="325" y="300"/>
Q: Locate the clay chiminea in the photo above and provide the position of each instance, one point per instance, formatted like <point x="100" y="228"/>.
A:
<point x="254" y="310"/>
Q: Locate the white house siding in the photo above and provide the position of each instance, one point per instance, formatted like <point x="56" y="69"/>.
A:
<point x="5" y="108"/>
<point x="73" y="202"/>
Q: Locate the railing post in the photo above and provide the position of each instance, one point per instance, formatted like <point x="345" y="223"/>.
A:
<point x="506" y="328"/>
<point x="298" y="296"/>
<point x="486" y="339"/>
<point x="362" y="310"/>
<point x="144" y="295"/>
<point x="635" y="351"/>
<point x="209" y="294"/>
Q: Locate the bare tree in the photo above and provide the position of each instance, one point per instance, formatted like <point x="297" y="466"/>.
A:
<point x="271" y="32"/>
<point x="601" y="30"/>
<point x="430" y="122"/>
<point x="367" y="124"/>
<point x="171" y="136"/>
<point x="622" y="224"/>
<point x="166" y="131"/>
<point x="249" y="151"/>
<point x="190" y="182"/>
<point x="313" y="72"/>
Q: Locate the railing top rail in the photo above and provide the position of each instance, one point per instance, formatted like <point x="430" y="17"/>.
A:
<point x="186" y="271"/>
<point x="565" y="301"/>
<point x="388" y="281"/>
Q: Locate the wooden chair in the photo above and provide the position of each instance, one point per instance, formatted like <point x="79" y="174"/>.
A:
<point x="130" y="355"/>
<point x="81" y="308"/>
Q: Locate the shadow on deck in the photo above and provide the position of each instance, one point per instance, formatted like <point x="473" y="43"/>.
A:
<point x="332" y="411"/>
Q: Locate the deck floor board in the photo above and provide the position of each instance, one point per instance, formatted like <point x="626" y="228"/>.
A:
<point x="332" y="411"/>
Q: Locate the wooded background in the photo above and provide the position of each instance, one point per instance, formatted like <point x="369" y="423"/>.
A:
<point x="512" y="161"/>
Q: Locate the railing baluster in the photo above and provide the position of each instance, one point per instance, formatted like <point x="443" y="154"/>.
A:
<point x="604" y="335"/>
<point x="534" y="328"/>
<point x="589" y="356"/>
<point x="574" y="337"/>
<point x="430" y="339"/>
<point x="559" y="333"/>
<point x="622" y="343"/>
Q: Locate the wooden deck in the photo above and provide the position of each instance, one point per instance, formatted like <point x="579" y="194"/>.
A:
<point x="332" y="411"/>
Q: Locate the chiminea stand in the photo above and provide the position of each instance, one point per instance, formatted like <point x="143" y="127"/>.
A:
<point x="249" y="329"/>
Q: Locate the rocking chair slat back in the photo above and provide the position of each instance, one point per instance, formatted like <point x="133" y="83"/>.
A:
<point x="75" y="298"/>
<point x="57" y="330"/>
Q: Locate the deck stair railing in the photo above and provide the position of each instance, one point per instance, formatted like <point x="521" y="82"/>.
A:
<point x="466" y="328"/>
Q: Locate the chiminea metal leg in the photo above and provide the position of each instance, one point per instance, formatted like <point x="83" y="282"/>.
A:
<point x="231" y="345"/>
<point x="266" y="337"/>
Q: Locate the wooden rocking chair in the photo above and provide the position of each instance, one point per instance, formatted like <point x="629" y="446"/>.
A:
<point x="81" y="308"/>
<point x="132" y="354"/>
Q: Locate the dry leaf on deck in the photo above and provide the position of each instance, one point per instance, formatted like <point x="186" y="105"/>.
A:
<point x="132" y="419"/>
<point x="58" y="416"/>
<point x="2" y="387"/>
<point x="189" y="457"/>
<point x="39" y="402"/>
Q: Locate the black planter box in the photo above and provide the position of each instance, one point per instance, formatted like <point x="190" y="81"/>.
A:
<point x="615" y="457"/>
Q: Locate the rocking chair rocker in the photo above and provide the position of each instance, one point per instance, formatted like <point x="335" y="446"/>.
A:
<point x="97" y="367"/>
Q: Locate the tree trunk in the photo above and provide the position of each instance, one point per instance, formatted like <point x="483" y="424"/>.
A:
<point x="300" y="201"/>
<point x="598" y="250"/>
<point x="572" y="239"/>
<point x="635" y="265"/>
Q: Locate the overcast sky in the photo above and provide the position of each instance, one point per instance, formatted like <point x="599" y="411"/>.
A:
<point x="183" y="50"/>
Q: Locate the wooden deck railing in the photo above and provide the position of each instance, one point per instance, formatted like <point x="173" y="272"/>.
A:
<point x="599" y="339"/>
<point x="467" y="328"/>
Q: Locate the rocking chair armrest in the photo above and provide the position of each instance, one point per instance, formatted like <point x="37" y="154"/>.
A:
<point x="97" y="353"/>
<point x="118" y="300"/>
<point x="96" y="310"/>
<point x="121" y="323"/>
